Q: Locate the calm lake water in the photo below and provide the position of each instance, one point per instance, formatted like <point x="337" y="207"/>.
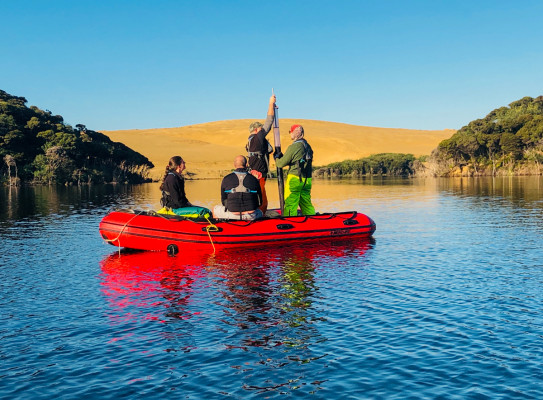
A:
<point x="445" y="303"/>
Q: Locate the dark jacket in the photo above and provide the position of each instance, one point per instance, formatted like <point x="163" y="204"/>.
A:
<point x="247" y="199"/>
<point x="173" y="192"/>
<point x="259" y="144"/>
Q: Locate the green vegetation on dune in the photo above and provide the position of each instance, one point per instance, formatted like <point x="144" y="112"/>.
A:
<point x="37" y="146"/>
<point x="392" y="164"/>
<point x="509" y="140"/>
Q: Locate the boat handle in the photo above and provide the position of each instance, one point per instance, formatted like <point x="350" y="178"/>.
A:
<point x="350" y="222"/>
<point x="284" y="227"/>
<point x="212" y="229"/>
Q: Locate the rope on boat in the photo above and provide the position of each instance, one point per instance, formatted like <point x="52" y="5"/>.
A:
<point x="321" y="217"/>
<point x="294" y="218"/>
<point x="122" y="230"/>
<point x="245" y="223"/>
<point x="211" y="228"/>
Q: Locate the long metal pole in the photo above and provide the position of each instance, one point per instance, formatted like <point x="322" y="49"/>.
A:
<point x="277" y="145"/>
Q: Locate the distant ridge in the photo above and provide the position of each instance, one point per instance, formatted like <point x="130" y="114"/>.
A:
<point x="210" y="148"/>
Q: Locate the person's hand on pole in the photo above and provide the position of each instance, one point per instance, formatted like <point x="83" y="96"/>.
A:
<point x="271" y="107"/>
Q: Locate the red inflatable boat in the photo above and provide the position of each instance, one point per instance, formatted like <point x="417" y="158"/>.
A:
<point x="145" y="230"/>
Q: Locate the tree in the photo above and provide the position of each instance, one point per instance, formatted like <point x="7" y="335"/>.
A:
<point x="532" y="131"/>
<point x="536" y="156"/>
<point x="33" y="123"/>
<point x="10" y="162"/>
<point x="28" y="133"/>
<point x="492" y="144"/>
<point x="501" y="137"/>
<point x="511" y="144"/>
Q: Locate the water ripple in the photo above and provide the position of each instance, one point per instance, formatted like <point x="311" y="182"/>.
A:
<point x="444" y="303"/>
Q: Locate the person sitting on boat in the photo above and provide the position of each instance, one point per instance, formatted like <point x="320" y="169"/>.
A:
<point x="299" y="158"/>
<point x="241" y="194"/>
<point x="259" y="150"/>
<point x="174" y="199"/>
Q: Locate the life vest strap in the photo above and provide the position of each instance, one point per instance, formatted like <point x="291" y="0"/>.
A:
<point x="241" y="188"/>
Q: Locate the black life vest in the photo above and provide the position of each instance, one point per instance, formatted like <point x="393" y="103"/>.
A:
<point x="305" y="164"/>
<point x="241" y="198"/>
<point x="259" y="153"/>
<point x="167" y="199"/>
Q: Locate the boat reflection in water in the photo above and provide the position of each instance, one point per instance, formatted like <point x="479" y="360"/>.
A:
<point x="257" y="311"/>
<point x="150" y="285"/>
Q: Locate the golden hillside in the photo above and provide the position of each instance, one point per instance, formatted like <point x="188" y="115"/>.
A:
<point x="210" y="148"/>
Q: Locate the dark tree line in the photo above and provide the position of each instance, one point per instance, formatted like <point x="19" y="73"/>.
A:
<point x="507" y="138"/>
<point x="39" y="147"/>
<point x="391" y="164"/>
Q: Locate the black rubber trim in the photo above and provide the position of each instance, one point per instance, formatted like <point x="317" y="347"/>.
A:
<point x="248" y="235"/>
<point x="284" y="227"/>
<point x="213" y="230"/>
<point x="251" y="241"/>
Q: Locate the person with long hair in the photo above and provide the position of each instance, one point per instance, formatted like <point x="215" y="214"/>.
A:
<point x="173" y="185"/>
<point x="174" y="200"/>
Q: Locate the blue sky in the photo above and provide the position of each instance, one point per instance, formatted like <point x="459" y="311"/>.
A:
<point x="154" y="64"/>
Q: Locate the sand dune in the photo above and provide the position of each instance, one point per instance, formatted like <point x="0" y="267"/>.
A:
<point x="210" y="148"/>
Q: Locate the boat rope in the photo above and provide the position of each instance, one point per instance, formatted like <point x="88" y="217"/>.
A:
<point x="122" y="230"/>
<point x="306" y="217"/>
<point x="238" y="222"/>
<point x="353" y="216"/>
<point x="294" y="218"/>
<point x="321" y="217"/>
<point x="211" y="228"/>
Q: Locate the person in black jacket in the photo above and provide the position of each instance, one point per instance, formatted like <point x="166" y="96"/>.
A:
<point x="241" y="195"/>
<point x="259" y="150"/>
<point x="173" y="185"/>
<point x="174" y="200"/>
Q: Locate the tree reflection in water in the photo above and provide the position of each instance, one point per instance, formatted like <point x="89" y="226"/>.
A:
<point x="270" y="316"/>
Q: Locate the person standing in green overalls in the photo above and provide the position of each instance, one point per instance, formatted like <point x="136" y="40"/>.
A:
<point x="299" y="158"/>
